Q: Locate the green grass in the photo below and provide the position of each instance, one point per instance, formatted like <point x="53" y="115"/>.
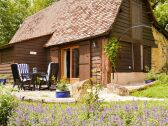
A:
<point x="158" y="90"/>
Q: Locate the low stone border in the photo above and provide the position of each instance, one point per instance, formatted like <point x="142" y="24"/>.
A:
<point x="125" y="90"/>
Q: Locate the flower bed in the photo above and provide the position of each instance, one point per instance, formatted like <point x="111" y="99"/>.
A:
<point x="121" y="114"/>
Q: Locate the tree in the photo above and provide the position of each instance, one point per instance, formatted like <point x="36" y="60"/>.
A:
<point x="160" y="8"/>
<point x="161" y="14"/>
<point x="13" y="13"/>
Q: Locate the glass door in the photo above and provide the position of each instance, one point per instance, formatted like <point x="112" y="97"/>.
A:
<point x="70" y="63"/>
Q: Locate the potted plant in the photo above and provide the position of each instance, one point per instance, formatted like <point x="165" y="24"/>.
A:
<point x="62" y="90"/>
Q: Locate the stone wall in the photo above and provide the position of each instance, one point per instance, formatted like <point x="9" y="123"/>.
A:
<point x="159" y="54"/>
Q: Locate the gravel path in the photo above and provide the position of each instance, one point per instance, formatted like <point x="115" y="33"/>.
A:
<point x="49" y="96"/>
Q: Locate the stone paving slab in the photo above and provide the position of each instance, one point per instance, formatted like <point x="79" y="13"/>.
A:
<point x="138" y="86"/>
<point x="41" y="96"/>
<point x="49" y="97"/>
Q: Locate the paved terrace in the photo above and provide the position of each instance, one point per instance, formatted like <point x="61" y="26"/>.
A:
<point x="49" y="96"/>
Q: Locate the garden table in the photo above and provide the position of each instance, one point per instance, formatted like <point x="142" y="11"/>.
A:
<point x="35" y="81"/>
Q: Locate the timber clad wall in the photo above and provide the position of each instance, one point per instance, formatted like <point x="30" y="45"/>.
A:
<point x="147" y="33"/>
<point x="123" y="20"/>
<point x="53" y="55"/>
<point x="147" y="54"/>
<point x="137" y="57"/>
<point x="22" y="53"/>
<point x="96" y="58"/>
<point x="5" y="68"/>
<point x="125" y="57"/>
<point x="6" y="58"/>
<point x="6" y="55"/>
<point x="84" y="60"/>
<point x="133" y="12"/>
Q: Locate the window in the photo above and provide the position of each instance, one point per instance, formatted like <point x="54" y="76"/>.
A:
<point x="133" y="57"/>
<point x="75" y="63"/>
<point x="70" y="61"/>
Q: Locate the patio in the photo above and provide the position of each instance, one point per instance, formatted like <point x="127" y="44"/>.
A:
<point x="48" y="96"/>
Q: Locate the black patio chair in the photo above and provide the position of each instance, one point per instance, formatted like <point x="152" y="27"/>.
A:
<point x="19" y="79"/>
<point x="52" y="73"/>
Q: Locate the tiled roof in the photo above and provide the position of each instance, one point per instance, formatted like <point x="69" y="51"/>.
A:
<point x="70" y="20"/>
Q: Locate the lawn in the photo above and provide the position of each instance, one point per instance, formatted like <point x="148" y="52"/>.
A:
<point x="158" y="90"/>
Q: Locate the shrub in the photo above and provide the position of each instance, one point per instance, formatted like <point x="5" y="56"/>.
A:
<point x="162" y="78"/>
<point x="7" y="104"/>
<point x="151" y="75"/>
<point x="62" y="84"/>
<point x="91" y="99"/>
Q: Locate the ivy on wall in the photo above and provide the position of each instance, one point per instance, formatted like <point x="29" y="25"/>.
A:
<point x="111" y="50"/>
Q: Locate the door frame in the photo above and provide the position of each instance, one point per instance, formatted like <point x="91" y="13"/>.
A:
<point x="72" y="80"/>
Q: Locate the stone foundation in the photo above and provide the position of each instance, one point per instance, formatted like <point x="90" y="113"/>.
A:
<point x="128" y="78"/>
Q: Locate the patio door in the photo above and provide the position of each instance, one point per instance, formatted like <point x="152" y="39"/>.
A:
<point x="70" y="63"/>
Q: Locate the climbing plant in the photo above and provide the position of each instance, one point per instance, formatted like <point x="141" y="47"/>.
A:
<point x="111" y="51"/>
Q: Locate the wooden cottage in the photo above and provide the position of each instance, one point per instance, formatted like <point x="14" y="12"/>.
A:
<point x="73" y="33"/>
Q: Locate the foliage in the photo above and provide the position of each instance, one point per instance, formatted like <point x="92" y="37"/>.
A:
<point x="91" y="99"/>
<point x="112" y="114"/>
<point x="165" y="68"/>
<point x="158" y="90"/>
<point x="151" y="75"/>
<point x="13" y="12"/>
<point x="111" y="50"/>
<point x="62" y="84"/>
<point x="160" y="8"/>
<point x="7" y="105"/>
<point x="161" y="13"/>
<point x="162" y="78"/>
<point x="159" y="1"/>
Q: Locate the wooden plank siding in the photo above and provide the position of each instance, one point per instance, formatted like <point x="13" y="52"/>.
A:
<point x="84" y="60"/>
<point x="130" y="55"/>
<point x="7" y="55"/>
<point x="22" y="53"/>
<point x="5" y="68"/>
<point x="147" y="33"/>
<point x="6" y="59"/>
<point x="96" y="47"/>
<point x="123" y="20"/>
<point x="147" y="54"/>
<point x="53" y="55"/>
<point x="124" y="62"/>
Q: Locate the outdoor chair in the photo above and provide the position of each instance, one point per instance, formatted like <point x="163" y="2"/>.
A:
<point x="21" y="75"/>
<point x="24" y="71"/>
<point x="52" y="73"/>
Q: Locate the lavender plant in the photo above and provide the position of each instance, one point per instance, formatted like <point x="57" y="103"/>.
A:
<point x="112" y="114"/>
